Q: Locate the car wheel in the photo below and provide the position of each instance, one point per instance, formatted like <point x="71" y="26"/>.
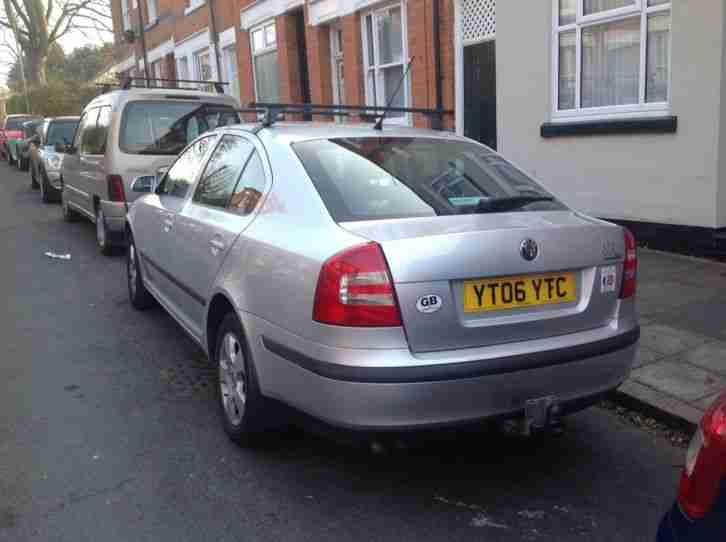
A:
<point x="33" y="178"/>
<point x="102" y="233"/>
<point x="69" y="215"/>
<point x="138" y="294"/>
<point x="46" y="194"/>
<point x="240" y="402"/>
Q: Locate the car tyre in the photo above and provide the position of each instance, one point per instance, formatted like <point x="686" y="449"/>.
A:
<point x="69" y="215"/>
<point x="33" y="178"/>
<point x="241" y="404"/>
<point x="138" y="294"/>
<point x="102" y="233"/>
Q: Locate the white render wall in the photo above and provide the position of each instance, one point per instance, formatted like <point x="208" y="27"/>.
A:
<point x="665" y="178"/>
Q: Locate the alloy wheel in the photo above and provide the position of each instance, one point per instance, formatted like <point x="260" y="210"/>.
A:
<point x="232" y="378"/>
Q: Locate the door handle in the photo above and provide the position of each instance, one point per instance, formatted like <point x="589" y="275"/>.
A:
<point x="168" y="225"/>
<point x="217" y="246"/>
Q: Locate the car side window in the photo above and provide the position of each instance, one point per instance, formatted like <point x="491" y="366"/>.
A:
<point x="101" y="133"/>
<point x="81" y="124"/>
<point x="91" y="140"/>
<point x="250" y="187"/>
<point x="223" y="169"/>
<point x="182" y="174"/>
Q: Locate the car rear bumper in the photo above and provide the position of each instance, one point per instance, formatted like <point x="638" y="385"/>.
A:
<point x="115" y="214"/>
<point x="410" y="395"/>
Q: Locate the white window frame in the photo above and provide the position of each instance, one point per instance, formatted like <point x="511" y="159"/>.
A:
<point x="125" y="15"/>
<point x="266" y="48"/>
<point x="151" y="12"/>
<point x="378" y="68"/>
<point x="641" y="109"/>
<point x="337" y="56"/>
<point x="193" y="5"/>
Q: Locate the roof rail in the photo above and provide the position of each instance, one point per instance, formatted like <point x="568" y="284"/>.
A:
<point x="126" y="82"/>
<point x="366" y="112"/>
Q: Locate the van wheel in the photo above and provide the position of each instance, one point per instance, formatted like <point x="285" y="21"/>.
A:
<point x="33" y="178"/>
<point x="69" y="215"/>
<point x="138" y="294"/>
<point x="240" y="403"/>
<point x="102" y="233"/>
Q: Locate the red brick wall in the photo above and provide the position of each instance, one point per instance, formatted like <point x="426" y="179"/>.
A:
<point x="353" y="60"/>
<point x="419" y="20"/>
<point x="317" y="40"/>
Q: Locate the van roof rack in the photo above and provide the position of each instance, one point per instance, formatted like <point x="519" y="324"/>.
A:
<point x="126" y="82"/>
<point x="272" y="110"/>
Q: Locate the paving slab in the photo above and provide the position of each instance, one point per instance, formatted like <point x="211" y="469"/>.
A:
<point x="680" y="380"/>
<point x="669" y="340"/>
<point x="710" y="356"/>
<point x="659" y="403"/>
<point x="645" y="356"/>
<point x="706" y="402"/>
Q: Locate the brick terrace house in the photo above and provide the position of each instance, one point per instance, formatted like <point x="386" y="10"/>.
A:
<point x="614" y="104"/>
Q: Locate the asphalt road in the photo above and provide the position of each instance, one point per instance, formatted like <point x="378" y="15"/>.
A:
<point x="109" y="432"/>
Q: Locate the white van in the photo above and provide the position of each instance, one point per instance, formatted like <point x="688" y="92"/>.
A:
<point x="123" y="138"/>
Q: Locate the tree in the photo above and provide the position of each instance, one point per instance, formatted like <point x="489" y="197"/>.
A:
<point x="38" y="25"/>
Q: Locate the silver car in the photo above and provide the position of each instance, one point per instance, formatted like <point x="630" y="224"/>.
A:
<point x="383" y="281"/>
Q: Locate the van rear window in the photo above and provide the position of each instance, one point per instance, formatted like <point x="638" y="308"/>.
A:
<point x="165" y="128"/>
<point x="375" y="178"/>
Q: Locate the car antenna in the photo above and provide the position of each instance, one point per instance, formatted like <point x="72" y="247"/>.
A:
<point x="379" y="122"/>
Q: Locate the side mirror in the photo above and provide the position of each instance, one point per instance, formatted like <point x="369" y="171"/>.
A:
<point x="144" y="184"/>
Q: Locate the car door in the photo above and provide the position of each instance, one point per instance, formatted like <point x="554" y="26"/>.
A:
<point x="72" y="185"/>
<point x="93" y="148"/>
<point x="222" y="206"/>
<point x="154" y="224"/>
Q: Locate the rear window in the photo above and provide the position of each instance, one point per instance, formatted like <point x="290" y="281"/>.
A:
<point x="61" y="132"/>
<point x="385" y="177"/>
<point x="165" y="128"/>
<point x="16" y="123"/>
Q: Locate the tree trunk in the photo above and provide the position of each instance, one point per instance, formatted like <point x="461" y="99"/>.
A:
<point x="37" y="61"/>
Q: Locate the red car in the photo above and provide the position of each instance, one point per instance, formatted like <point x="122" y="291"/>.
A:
<point x="3" y="140"/>
<point x="699" y="514"/>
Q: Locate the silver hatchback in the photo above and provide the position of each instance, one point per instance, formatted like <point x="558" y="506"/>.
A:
<point x="383" y="280"/>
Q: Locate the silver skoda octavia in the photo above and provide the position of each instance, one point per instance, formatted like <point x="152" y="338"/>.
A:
<point x="382" y="280"/>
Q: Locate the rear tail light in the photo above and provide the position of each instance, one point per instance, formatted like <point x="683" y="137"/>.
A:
<point x="115" y="188"/>
<point x="355" y="289"/>
<point x="705" y="463"/>
<point x="630" y="266"/>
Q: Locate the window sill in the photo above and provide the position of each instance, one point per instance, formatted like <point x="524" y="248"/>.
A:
<point x="193" y="8"/>
<point x="644" y="125"/>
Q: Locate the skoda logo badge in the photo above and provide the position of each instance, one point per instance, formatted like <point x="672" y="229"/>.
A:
<point x="528" y="249"/>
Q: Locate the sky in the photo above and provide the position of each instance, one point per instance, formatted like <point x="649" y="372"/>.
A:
<point x="69" y="42"/>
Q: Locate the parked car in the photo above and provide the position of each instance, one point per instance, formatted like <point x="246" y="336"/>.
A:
<point x="382" y="280"/>
<point x="3" y="144"/>
<point x="124" y="134"/>
<point x="29" y="133"/>
<point x="52" y="137"/>
<point x="13" y="128"/>
<point x="699" y="514"/>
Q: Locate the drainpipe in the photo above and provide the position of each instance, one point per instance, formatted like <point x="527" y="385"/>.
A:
<point x="143" y="45"/>
<point x="215" y="38"/>
<point x="435" y="20"/>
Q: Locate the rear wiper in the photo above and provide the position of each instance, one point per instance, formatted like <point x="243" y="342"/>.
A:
<point x="508" y="203"/>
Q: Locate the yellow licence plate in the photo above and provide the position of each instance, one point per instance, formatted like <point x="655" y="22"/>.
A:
<point x="511" y="292"/>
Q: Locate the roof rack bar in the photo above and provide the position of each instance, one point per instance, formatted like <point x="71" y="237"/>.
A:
<point x="126" y="82"/>
<point x="333" y="107"/>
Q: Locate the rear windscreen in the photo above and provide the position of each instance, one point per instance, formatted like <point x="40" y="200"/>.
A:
<point x="16" y="123"/>
<point x="155" y="127"/>
<point x="391" y="177"/>
<point x="61" y="132"/>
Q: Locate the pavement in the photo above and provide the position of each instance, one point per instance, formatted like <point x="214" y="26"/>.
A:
<point x="109" y="431"/>
<point x="681" y="362"/>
